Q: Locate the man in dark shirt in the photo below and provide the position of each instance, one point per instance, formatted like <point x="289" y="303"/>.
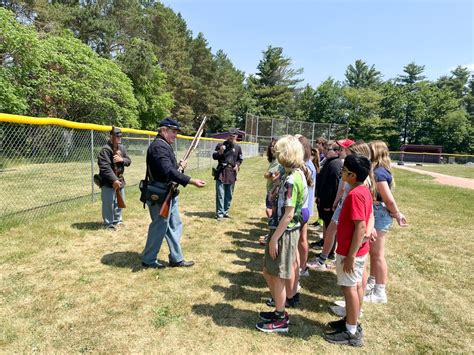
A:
<point x="163" y="170"/>
<point x="111" y="214"/>
<point x="229" y="157"/>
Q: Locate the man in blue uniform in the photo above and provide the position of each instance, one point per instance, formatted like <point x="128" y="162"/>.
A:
<point x="229" y="157"/>
<point x="162" y="170"/>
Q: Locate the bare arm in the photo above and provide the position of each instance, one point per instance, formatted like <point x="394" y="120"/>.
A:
<point x="387" y="197"/>
<point x="357" y="237"/>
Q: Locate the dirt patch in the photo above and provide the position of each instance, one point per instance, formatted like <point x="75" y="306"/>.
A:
<point x="442" y="178"/>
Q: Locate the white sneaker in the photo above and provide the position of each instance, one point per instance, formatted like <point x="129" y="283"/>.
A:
<point x="304" y="272"/>
<point x="376" y="297"/>
<point x="316" y="265"/>
<point x="369" y="288"/>
<point x="341" y="311"/>
<point x="340" y="303"/>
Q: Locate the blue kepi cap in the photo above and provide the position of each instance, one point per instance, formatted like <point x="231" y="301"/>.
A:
<point x="169" y="122"/>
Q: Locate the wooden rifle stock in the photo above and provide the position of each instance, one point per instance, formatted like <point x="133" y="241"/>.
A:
<point x="120" y="200"/>
<point x="165" y="206"/>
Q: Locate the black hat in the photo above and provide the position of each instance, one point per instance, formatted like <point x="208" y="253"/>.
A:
<point x="115" y="131"/>
<point x="169" y="122"/>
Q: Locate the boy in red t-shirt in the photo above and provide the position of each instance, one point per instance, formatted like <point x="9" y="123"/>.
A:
<point x="352" y="250"/>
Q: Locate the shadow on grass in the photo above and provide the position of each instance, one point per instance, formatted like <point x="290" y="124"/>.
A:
<point x="251" y="260"/>
<point x="322" y="283"/>
<point x="251" y="234"/>
<point x="228" y="316"/>
<point x="125" y="259"/>
<point x="93" y="226"/>
<point x="201" y="214"/>
<point x="248" y="244"/>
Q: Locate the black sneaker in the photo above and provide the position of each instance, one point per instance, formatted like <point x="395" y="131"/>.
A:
<point x="270" y="316"/>
<point x="338" y="324"/>
<point x="155" y="265"/>
<point x="227" y="216"/>
<point x="317" y="245"/>
<point x="182" y="263"/>
<point x="289" y="303"/>
<point x="274" y="326"/>
<point x="331" y="257"/>
<point x="344" y="337"/>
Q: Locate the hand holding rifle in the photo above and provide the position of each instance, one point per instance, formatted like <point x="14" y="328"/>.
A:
<point x="165" y="207"/>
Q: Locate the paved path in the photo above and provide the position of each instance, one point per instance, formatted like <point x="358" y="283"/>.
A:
<point x="442" y="178"/>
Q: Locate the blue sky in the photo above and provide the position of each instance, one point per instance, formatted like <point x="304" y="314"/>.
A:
<point x="323" y="37"/>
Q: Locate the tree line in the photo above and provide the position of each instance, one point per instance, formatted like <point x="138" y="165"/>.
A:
<point x="133" y="62"/>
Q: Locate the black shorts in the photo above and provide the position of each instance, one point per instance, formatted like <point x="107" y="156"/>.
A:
<point x="326" y="216"/>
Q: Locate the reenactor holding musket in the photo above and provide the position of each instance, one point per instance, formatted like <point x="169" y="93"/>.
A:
<point x="112" y="161"/>
<point x="163" y="175"/>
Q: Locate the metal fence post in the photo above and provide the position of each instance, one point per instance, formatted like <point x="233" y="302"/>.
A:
<point x="92" y="167"/>
<point x="312" y="136"/>
<point x="256" y="131"/>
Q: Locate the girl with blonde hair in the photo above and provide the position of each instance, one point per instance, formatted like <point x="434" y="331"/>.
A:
<point x="385" y="208"/>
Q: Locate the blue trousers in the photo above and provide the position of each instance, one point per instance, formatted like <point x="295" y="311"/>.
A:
<point x="170" y="229"/>
<point x="111" y="214"/>
<point x="223" y="198"/>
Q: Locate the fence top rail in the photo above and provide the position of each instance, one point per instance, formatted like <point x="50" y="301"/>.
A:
<point x="48" y="121"/>
<point x="438" y="154"/>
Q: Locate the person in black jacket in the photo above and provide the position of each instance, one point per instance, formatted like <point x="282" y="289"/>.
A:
<point x="327" y="184"/>
<point x="229" y="157"/>
<point x="162" y="170"/>
<point x="111" y="214"/>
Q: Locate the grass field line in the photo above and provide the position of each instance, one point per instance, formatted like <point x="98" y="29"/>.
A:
<point x="68" y="285"/>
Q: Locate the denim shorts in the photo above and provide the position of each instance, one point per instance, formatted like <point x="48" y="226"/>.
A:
<point x="337" y="212"/>
<point x="383" y="220"/>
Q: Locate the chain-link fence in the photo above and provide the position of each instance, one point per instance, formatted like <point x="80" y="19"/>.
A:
<point x="49" y="168"/>
<point x="262" y="129"/>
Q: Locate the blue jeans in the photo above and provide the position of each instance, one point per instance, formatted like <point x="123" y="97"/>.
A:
<point x="111" y="214"/>
<point x="223" y="198"/>
<point x="160" y="228"/>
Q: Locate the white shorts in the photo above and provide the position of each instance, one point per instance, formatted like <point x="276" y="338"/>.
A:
<point x="352" y="279"/>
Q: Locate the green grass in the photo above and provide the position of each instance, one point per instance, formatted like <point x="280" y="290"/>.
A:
<point x="465" y="171"/>
<point x="67" y="285"/>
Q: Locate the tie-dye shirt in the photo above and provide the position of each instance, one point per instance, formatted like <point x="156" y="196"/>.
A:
<point x="293" y="192"/>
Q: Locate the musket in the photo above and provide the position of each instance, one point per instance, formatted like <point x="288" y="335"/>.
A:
<point x="120" y="200"/>
<point x="165" y="207"/>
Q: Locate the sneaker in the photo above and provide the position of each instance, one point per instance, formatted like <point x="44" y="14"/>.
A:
<point x="341" y="311"/>
<point x="339" y="324"/>
<point x="271" y="316"/>
<point x="344" y="337"/>
<point x="110" y="227"/>
<point x="332" y="257"/>
<point x="274" y="326"/>
<point x="376" y="297"/>
<point x="218" y="218"/>
<point x="340" y="303"/>
<point x="227" y="216"/>
<point x="304" y="272"/>
<point x="316" y="265"/>
<point x="370" y="285"/>
<point x="317" y="245"/>
<point x="289" y="303"/>
<point x="262" y="240"/>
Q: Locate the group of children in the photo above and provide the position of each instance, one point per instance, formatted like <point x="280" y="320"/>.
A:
<point x="351" y="185"/>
